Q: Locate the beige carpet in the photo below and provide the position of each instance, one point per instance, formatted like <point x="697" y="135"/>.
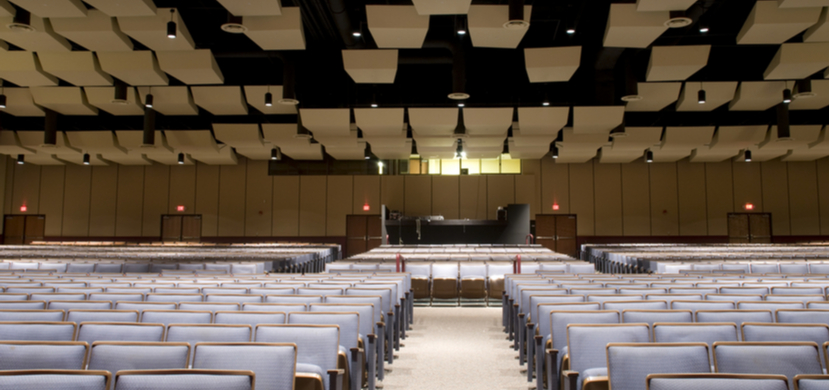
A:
<point x="456" y="348"/>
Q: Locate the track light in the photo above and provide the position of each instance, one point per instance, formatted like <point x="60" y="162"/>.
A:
<point x="269" y="100"/>
<point x="148" y="100"/>
<point x="554" y="151"/>
<point x="181" y="158"/>
<point x="171" y="26"/>
<point x="747" y="155"/>
<point x="788" y="96"/>
<point x="86" y="158"/>
<point x="276" y="155"/>
<point x="649" y="156"/>
<point x="21" y="159"/>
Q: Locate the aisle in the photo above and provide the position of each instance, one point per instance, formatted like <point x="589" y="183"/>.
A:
<point x="456" y="348"/>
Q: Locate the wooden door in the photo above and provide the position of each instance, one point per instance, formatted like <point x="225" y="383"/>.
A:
<point x="546" y="231"/>
<point x="738" y="228"/>
<point x="171" y="227"/>
<point x="34" y="229"/>
<point x="566" y="235"/>
<point x="191" y="228"/>
<point x="374" y="232"/>
<point x="14" y="229"/>
<point x="760" y="228"/>
<point x="357" y="236"/>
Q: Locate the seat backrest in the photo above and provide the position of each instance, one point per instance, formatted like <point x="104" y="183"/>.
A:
<point x="141" y="306"/>
<point x="38" y="331"/>
<point x="715" y="381"/>
<point x="735" y="297"/>
<point x="387" y="300"/>
<point x="184" y="379"/>
<point x="79" y="305"/>
<point x="252" y="318"/>
<point x="735" y="316"/>
<point x="811" y="382"/>
<point x="273" y="363"/>
<point x="375" y="300"/>
<point x="365" y="312"/>
<point x="788" y="359"/>
<point x="770" y="305"/>
<point x="757" y="290"/>
<point x="630" y="364"/>
<point x="803" y="299"/>
<point x="531" y="297"/>
<point x="559" y="321"/>
<point x="213" y="333"/>
<point x="674" y="297"/>
<point x="703" y="305"/>
<point x="651" y="316"/>
<point x="349" y="323"/>
<point x="115" y="297"/>
<point x="55" y="379"/>
<point x="707" y="333"/>
<point x="32" y="315"/>
<point x="613" y="297"/>
<point x="634" y="305"/>
<point x="586" y="343"/>
<point x="802" y="316"/>
<point x="117" y="356"/>
<point x="419" y="269"/>
<point x="42" y="355"/>
<point x="764" y="332"/>
<point x="119" y="331"/>
<point x="445" y="270"/>
<point x="823" y="305"/>
<point x="305" y="299"/>
<point x="274" y="307"/>
<point x="319" y="291"/>
<point x="78" y="316"/>
<point x="317" y="345"/>
<point x="167" y="317"/>
<point x="472" y="270"/>
<point x="210" y="306"/>
<point x="178" y="298"/>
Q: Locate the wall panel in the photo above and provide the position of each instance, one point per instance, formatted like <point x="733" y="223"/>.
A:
<point x="391" y="192"/>
<point x="472" y="197"/>
<point x="501" y="191"/>
<point x="822" y="174"/>
<point x="555" y="187"/>
<point x="526" y="192"/>
<point x="312" y="205"/>
<point x="207" y="198"/>
<point x="231" y="218"/>
<point x="636" y="199"/>
<point x="76" y="201"/>
<point x="445" y="196"/>
<point x="286" y="214"/>
<point x="719" y="200"/>
<point x="746" y="185"/>
<point x="417" y="195"/>
<point x="776" y="195"/>
<point x="258" y="199"/>
<point x="366" y="192"/>
<point x="663" y="190"/>
<point x="182" y="189"/>
<point x="608" y="199"/>
<point x="804" y="219"/>
<point x="103" y="197"/>
<point x="129" y="207"/>
<point x="51" y="198"/>
<point x="691" y="198"/>
<point x="156" y="195"/>
<point x="338" y="204"/>
<point x="26" y="188"/>
<point x="581" y="188"/>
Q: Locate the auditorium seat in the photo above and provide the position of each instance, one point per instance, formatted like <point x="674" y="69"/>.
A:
<point x="274" y="307"/>
<point x="816" y="333"/>
<point x="32" y="315"/>
<point x="167" y="317"/>
<point x="709" y="333"/>
<point x="351" y="357"/>
<point x="630" y="363"/>
<point x="114" y="356"/>
<point x="55" y="379"/>
<point x="317" y="350"/>
<point x="79" y="305"/>
<point x="802" y="316"/>
<point x="42" y="355"/>
<point x="83" y="315"/>
<point x="273" y="363"/>
<point x="788" y="359"/>
<point x="445" y="281"/>
<point x="184" y="380"/>
<point x="810" y="382"/>
<point x="716" y="381"/>
<point x="200" y="333"/>
<point x="38" y="331"/>
<point x="587" y="345"/>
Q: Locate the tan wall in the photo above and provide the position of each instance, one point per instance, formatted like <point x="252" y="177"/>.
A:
<point x="636" y="199"/>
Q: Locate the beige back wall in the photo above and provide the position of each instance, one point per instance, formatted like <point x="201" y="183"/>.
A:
<point x="636" y="199"/>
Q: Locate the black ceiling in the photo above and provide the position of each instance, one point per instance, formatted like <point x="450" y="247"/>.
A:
<point x="494" y="77"/>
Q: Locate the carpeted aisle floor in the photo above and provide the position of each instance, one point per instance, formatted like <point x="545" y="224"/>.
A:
<point x="456" y="348"/>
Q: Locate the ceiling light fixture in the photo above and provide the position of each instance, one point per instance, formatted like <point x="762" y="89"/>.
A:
<point x="120" y="96"/>
<point x="701" y="95"/>
<point x="554" y="151"/>
<point x="171" y="25"/>
<point x="21" y="22"/>
<point x="545" y="103"/>
<point x="148" y="100"/>
<point x="460" y="104"/>
<point x="649" y="156"/>
<point x="803" y="89"/>
<point x="234" y="25"/>
<point x="747" y="155"/>
<point x="374" y="105"/>
<point x="677" y="19"/>
<point x="269" y="100"/>
<point x="516" y="16"/>
<point x="704" y="29"/>
<point x="357" y="34"/>
<point x="181" y="159"/>
<point x="86" y="158"/>
<point x="2" y="97"/>
<point x="276" y="154"/>
<point x="460" y="25"/>
<point x="570" y="30"/>
<point x="459" y="150"/>
<point x="787" y="94"/>
<point x="367" y="152"/>
<point x="21" y="159"/>
<point x="618" y="131"/>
